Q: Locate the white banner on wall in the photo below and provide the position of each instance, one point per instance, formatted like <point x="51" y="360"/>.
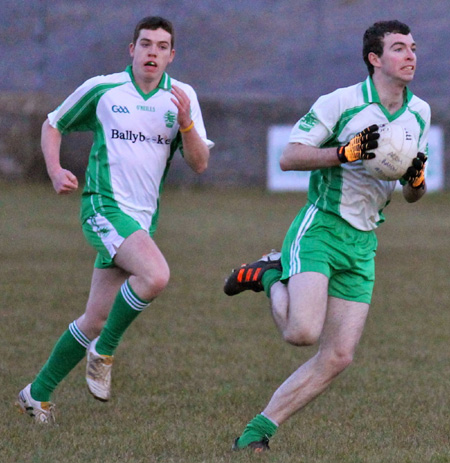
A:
<point x="277" y="180"/>
<point x="435" y="163"/>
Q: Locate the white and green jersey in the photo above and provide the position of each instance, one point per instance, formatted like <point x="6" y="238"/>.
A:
<point x="135" y="138"/>
<point x="349" y="191"/>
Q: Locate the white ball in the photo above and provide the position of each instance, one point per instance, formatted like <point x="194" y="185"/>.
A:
<point x="396" y="150"/>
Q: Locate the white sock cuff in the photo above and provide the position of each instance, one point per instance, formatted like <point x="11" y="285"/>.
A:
<point x="270" y="419"/>
<point x="79" y="335"/>
<point x="132" y="298"/>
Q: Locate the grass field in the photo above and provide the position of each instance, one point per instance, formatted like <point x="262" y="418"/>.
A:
<point x="197" y="365"/>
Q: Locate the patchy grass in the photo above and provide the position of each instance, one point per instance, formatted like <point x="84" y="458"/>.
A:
<point x="195" y="367"/>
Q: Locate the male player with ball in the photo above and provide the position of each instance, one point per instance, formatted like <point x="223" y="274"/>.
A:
<point x="140" y="117"/>
<point x="320" y="285"/>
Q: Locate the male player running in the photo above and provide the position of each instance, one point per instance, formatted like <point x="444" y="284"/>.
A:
<point x="320" y="286"/>
<point x="140" y="117"/>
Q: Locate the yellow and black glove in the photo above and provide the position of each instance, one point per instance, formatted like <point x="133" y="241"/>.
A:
<point x="415" y="175"/>
<point x="358" y="147"/>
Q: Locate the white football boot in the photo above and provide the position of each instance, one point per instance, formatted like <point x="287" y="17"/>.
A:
<point x="42" y="412"/>
<point x="98" y="373"/>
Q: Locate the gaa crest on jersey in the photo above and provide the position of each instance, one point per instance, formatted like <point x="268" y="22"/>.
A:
<point x="120" y="109"/>
<point x="308" y="121"/>
<point x="170" y="118"/>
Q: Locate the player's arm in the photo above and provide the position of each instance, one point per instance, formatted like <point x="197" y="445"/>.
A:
<point x="63" y="180"/>
<point x="297" y="156"/>
<point x="415" y="186"/>
<point x="195" y="150"/>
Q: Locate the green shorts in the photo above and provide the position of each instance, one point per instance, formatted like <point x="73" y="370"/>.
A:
<point x="105" y="232"/>
<point x="325" y="243"/>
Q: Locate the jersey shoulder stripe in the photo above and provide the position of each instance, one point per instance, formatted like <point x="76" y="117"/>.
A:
<point x="77" y="112"/>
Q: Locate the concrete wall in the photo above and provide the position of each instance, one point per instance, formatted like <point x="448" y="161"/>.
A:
<point x="253" y="63"/>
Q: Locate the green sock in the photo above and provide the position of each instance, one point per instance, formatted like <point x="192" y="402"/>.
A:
<point x="258" y="429"/>
<point x="125" y="309"/>
<point x="270" y="277"/>
<point x="67" y="353"/>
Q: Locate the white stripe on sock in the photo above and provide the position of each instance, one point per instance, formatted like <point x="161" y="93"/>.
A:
<point x="131" y="299"/>
<point x="78" y="335"/>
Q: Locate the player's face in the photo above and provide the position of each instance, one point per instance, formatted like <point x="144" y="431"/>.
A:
<point x="151" y="55"/>
<point x="398" y="61"/>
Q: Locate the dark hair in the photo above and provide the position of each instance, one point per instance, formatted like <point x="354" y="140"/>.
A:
<point x="153" y="23"/>
<point x="373" y="38"/>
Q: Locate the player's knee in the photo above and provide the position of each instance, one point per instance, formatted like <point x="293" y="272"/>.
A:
<point x="338" y="360"/>
<point x="160" y="281"/>
<point x="301" y="337"/>
<point x="155" y="282"/>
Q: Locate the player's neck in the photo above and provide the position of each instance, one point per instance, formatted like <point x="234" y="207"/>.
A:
<point x="145" y="86"/>
<point x="391" y="93"/>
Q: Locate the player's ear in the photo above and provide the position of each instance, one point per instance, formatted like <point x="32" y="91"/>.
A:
<point x="374" y="59"/>
<point x="131" y="49"/>
<point x="172" y="55"/>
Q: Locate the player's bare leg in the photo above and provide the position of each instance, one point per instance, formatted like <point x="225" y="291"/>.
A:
<point x="299" y="308"/>
<point x="342" y="330"/>
<point x="140" y="258"/>
<point x="302" y="315"/>
<point x="105" y="284"/>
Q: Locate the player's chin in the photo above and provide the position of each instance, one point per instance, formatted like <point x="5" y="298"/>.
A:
<point x="407" y="77"/>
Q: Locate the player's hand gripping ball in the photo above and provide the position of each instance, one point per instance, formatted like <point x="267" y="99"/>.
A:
<point x="415" y="174"/>
<point x="360" y="145"/>
<point x="395" y="152"/>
